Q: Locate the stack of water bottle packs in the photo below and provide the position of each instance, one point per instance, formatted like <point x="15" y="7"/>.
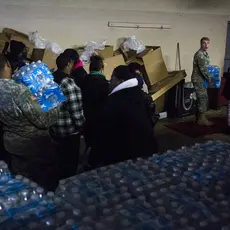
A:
<point x="215" y="77"/>
<point x="24" y="205"/>
<point x="184" y="189"/>
<point x="38" y="78"/>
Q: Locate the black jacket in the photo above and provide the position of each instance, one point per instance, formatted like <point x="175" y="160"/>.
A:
<point x="59" y="76"/>
<point x="95" y="89"/>
<point x="226" y="90"/>
<point x="123" y="129"/>
<point x="78" y="75"/>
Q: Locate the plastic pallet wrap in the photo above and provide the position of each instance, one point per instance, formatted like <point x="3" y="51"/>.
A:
<point x="215" y="77"/>
<point x="183" y="189"/>
<point x="24" y="205"/>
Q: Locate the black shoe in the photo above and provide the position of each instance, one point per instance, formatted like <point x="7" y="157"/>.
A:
<point x="227" y="131"/>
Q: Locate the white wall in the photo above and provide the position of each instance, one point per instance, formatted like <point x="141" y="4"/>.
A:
<point x="73" y="22"/>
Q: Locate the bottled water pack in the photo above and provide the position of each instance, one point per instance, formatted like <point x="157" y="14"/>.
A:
<point x="38" y="78"/>
<point x="215" y="77"/>
<point x="24" y="205"/>
<point x="183" y="189"/>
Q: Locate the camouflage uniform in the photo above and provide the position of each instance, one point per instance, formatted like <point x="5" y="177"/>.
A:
<point x="26" y="135"/>
<point x="200" y="73"/>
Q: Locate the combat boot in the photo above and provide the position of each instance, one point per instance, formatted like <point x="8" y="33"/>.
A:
<point x="202" y="120"/>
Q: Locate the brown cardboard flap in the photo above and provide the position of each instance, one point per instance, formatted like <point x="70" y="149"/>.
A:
<point x="37" y="54"/>
<point x="49" y="59"/>
<point x="4" y="42"/>
<point x="10" y="32"/>
<point x="106" y="53"/>
<point x="152" y="65"/>
<point x="132" y="54"/>
<point x="110" y="64"/>
<point x="117" y="52"/>
<point x="164" y="85"/>
<point x="152" y="47"/>
<point x="3" y="37"/>
<point x="160" y="104"/>
<point x="155" y="66"/>
<point x="46" y="56"/>
<point x="145" y="52"/>
<point x="86" y="67"/>
<point x="128" y="55"/>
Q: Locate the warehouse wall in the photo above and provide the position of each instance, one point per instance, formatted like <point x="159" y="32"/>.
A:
<point x="73" y="22"/>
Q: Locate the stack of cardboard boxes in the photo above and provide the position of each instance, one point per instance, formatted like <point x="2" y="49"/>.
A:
<point x="150" y="61"/>
<point x="154" y="72"/>
<point x="46" y="56"/>
<point x="111" y="60"/>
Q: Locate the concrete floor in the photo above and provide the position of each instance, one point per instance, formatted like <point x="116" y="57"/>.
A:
<point x="170" y="139"/>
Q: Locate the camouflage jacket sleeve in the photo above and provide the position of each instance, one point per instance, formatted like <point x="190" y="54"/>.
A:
<point x="203" y="66"/>
<point x="33" y="112"/>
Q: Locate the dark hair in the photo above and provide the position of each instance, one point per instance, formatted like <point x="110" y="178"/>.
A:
<point x="122" y="72"/>
<point x="3" y="62"/>
<point x="204" y="39"/>
<point x="72" y="54"/>
<point x="133" y="67"/>
<point x="96" y="63"/>
<point x="16" y="47"/>
<point x="62" y="61"/>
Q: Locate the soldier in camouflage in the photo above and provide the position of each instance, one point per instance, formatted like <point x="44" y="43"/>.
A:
<point x="25" y="128"/>
<point x="200" y="73"/>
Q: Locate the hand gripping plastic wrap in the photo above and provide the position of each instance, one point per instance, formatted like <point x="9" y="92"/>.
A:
<point x="215" y="77"/>
<point x="38" y="78"/>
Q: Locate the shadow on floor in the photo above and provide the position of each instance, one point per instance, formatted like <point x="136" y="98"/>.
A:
<point x="170" y="139"/>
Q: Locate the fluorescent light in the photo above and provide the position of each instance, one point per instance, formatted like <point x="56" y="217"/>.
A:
<point x="138" y="25"/>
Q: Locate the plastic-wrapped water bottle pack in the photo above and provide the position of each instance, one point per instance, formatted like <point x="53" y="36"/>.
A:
<point x="38" y="78"/>
<point x="184" y="189"/>
<point x="24" y="205"/>
<point x="215" y="77"/>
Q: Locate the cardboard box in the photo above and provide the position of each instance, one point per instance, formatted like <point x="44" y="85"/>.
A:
<point x="160" y="104"/>
<point x="166" y="84"/>
<point x="106" y="53"/>
<point x="128" y="54"/>
<point x="151" y="63"/>
<point x="46" y="56"/>
<point x="110" y="64"/>
<point x="10" y="32"/>
<point x="4" y="42"/>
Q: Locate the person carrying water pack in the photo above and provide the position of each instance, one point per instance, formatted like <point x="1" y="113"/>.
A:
<point x="25" y="131"/>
